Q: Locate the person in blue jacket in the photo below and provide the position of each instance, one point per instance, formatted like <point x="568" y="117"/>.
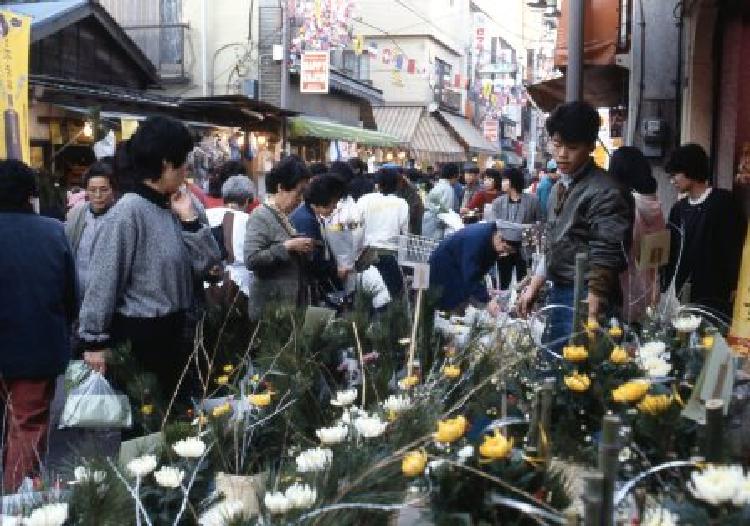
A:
<point x="321" y="271"/>
<point x="38" y="303"/>
<point x="460" y="262"/>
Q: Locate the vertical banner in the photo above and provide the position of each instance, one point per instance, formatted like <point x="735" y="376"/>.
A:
<point x="739" y="333"/>
<point x="15" y="39"/>
<point x="314" y="72"/>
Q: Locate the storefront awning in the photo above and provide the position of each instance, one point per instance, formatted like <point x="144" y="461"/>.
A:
<point x="399" y="121"/>
<point x="603" y="87"/>
<point x="468" y="134"/>
<point x="322" y="129"/>
<point x="432" y="142"/>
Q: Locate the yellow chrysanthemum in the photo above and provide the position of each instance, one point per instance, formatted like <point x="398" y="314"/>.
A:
<point x="496" y="446"/>
<point x="631" y="391"/>
<point x="414" y="463"/>
<point x="578" y="382"/>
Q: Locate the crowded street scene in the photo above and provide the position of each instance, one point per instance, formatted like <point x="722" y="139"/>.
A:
<point x="374" y="262"/>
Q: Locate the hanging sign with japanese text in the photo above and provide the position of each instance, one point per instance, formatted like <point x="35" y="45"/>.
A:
<point x="315" y="71"/>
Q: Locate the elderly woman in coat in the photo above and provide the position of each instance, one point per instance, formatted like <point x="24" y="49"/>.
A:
<point x="273" y="250"/>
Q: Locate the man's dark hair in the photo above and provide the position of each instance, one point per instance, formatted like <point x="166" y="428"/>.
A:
<point x="318" y="168"/>
<point x="18" y="183"/>
<point x="575" y="122"/>
<point x="516" y="178"/>
<point x="358" y="166"/>
<point x="690" y="159"/>
<point x="325" y="189"/>
<point x="158" y="140"/>
<point x="450" y="171"/>
<point x="471" y="168"/>
<point x="630" y="167"/>
<point x="388" y="180"/>
<point x="220" y="176"/>
<point x="99" y="169"/>
<point x="287" y="174"/>
<point x="343" y="170"/>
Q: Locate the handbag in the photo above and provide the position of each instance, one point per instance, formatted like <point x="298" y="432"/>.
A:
<point x="224" y="293"/>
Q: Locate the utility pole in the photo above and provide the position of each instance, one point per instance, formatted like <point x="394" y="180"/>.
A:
<point x="284" y="89"/>
<point x="574" y="74"/>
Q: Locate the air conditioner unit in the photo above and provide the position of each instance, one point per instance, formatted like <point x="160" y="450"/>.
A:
<point x="249" y="88"/>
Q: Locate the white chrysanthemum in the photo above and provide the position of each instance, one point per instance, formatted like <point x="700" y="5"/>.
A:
<point x="466" y="452"/>
<point x="315" y="459"/>
<point x="300" y="496"/>
<point x="48" y="515"/>
<point x="370" y="426"/>
<point x="222" y="513"/>
<point x="169" y="477"/>
<point x="652" y="349"/>
<point x="344" y="398"/>
<point x="83" y="474"/>
<point x="332" y="435"/>
<point x="717" y="484"/>
<point x="686" y="323"/>
<point x="142" y="466"/>
<point x="398" y="403"/>
<point x="742" y="497"/>
<point x="276" y="503"/>
<point x="656" y="366"/>
<point x="659" y="517"/>
<point x="191" y="447"/>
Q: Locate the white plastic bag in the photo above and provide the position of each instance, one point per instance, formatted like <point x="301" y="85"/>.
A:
<point x="94" y="404"/>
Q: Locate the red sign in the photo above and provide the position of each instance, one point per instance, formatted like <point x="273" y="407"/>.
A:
<point x="314" y="72"/>
<point x="491" y="130"/>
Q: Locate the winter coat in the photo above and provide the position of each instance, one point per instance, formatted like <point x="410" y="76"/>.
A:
<point x="459" y="264"/>
<point x="38" y="296"/>
<point x="278" y="273"/>
<point x="595" y="219"/>
<point x="640" y="287"/>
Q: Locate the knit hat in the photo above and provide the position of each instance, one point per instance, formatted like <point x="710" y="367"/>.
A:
<point x="511" y="232"/>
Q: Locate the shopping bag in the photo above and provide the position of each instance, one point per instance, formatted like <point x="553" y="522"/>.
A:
<point x="94" y="404"/>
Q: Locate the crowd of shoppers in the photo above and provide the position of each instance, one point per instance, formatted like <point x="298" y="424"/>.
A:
<point x="130" y="263"/>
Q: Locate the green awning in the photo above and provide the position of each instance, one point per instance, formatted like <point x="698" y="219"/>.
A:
<point x="322" y="129"/>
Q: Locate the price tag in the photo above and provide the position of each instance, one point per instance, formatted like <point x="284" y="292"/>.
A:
<point x="421" y="277"/>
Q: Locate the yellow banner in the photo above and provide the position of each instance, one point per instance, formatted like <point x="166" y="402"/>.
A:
<point x="15" y="39"/>
<point x="739" y="334"/>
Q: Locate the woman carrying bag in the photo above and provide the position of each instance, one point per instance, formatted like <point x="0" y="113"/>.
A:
<point x="273" y="249"/>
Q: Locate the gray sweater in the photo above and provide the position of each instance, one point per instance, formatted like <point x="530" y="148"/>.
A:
<point x="142" y="266"/>
<point x="526" y="211"/>
<point x="277" y="272"/>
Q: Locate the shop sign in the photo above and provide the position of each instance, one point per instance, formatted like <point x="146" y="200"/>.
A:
<point x="315" y="72"/>
<point x="492" y="130"/>
<point x="15" y="38"/>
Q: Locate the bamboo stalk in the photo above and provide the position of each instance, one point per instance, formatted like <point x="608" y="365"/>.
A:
<point x="578" y="297"/>
<point x="545" y="419"/>
<point x="361" y="363"/>
<point x="609" y="450"/>
<point x="414" y="329"/>
<point x="714" y="445"/>
<point x="592" y="499"/>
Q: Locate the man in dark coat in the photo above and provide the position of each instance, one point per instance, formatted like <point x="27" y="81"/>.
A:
<point x="38" y="303"/>
<point x="459" y="264"/>
<point x="707" y="233"/>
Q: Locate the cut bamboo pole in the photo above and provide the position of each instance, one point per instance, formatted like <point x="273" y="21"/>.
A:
<point x="609" y="451"/>
<point x="714" y="445"/>
<point x="414" y="329"/>
<point x="361" y="363"/>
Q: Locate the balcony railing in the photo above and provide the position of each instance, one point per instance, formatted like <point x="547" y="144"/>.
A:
<point x="164" y="45"/>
